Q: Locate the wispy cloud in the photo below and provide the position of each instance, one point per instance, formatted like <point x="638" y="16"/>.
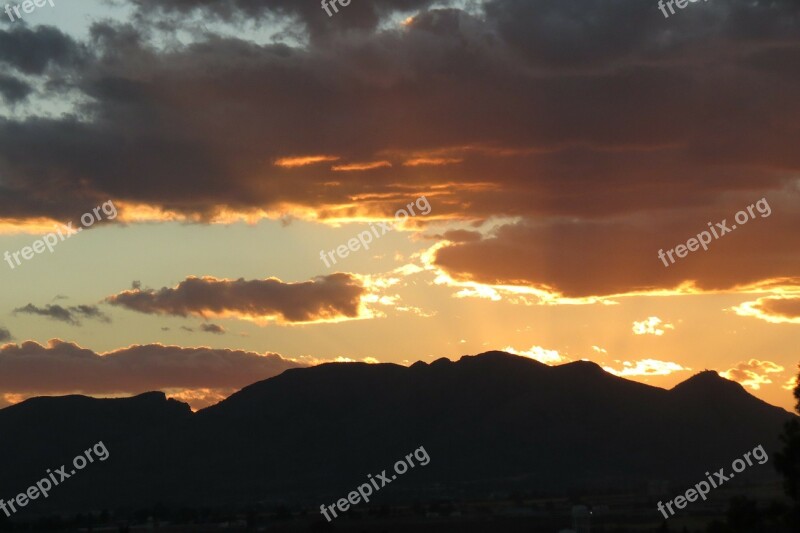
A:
<point x="302" y="161"/>
<point x="431" y="161"/>
<point x="71" y="315"/>
<point x="212" y="328"/>
<point x="351" y="167"/>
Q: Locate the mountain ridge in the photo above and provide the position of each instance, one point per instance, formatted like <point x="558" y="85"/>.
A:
<point x="490" y="422"/>
<point x="704" y="377"/>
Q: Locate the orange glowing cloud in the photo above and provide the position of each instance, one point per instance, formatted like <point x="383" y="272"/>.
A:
<point x="30" y="226"/>
<point x="752" y="373"/>
<point x="199" y="398"/>
<point x="432" y="161"/>
<point x="353" y="167"/>
<point x="774" y="309"/>
<point x="302" y="161"/>
<point x="646" y="367"/>
<point x="543" y="355"/>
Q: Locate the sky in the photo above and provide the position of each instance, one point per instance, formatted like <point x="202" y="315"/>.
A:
<point x="261" y="186"/>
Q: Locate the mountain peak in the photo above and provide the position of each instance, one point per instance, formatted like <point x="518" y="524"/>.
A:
<point x="709" y="385"/>
<point x="705" y="380"/>
<point x="499" y="357"/>
<point x="582" y="369"/>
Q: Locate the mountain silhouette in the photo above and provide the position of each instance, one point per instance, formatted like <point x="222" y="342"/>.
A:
<point x="491" y="422"/>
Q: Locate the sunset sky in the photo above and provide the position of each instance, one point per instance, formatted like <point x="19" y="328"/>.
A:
<point x="559" y="145"/>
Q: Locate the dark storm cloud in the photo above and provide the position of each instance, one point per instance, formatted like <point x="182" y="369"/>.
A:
<point x="71" y="315"/>
<point x="31" y="51"/>
<point x="14" y="90"/>
<point x="580" y="258"/>
<point x="5" y="335"/>
<point x="579" y="34"/>
<point x="552" y="109"/>
<point x="324" y="298"/>
<point x="363" y="16"/>
<point x="448" y="80"/>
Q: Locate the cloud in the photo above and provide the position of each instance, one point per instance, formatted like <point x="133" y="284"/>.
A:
<point x="314" y="361"/>
<point x="554" y="256"/>
<point x="576" y="107"/>
<point x="791" y="384"/>
<point x="774" y="309"/>
<point x="577" y="158"/>
<point x="459" y="235"/>
<point x="14" y="90"/>
<point x="350" y="167"/>
<point x="212" y="328"/>
<point x="342" y="359"/>
<point x="70" y="315"/>
<point x="752" y="373"/>
<point x="325" y="298"/>
<point x="34" y="50"/>
<point x="646" y="367"/>
<point x="548" y="357"/>
<point x="63" y="368"/>
<point x="10" y="399"/>
<point x="309" y="19"/>
<point x="5" y="335"/>
<point x="651" y="326"/>
<point x="431" y="161"/>
<point x="302" y="161"/>
<point x="598" y="349"/>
